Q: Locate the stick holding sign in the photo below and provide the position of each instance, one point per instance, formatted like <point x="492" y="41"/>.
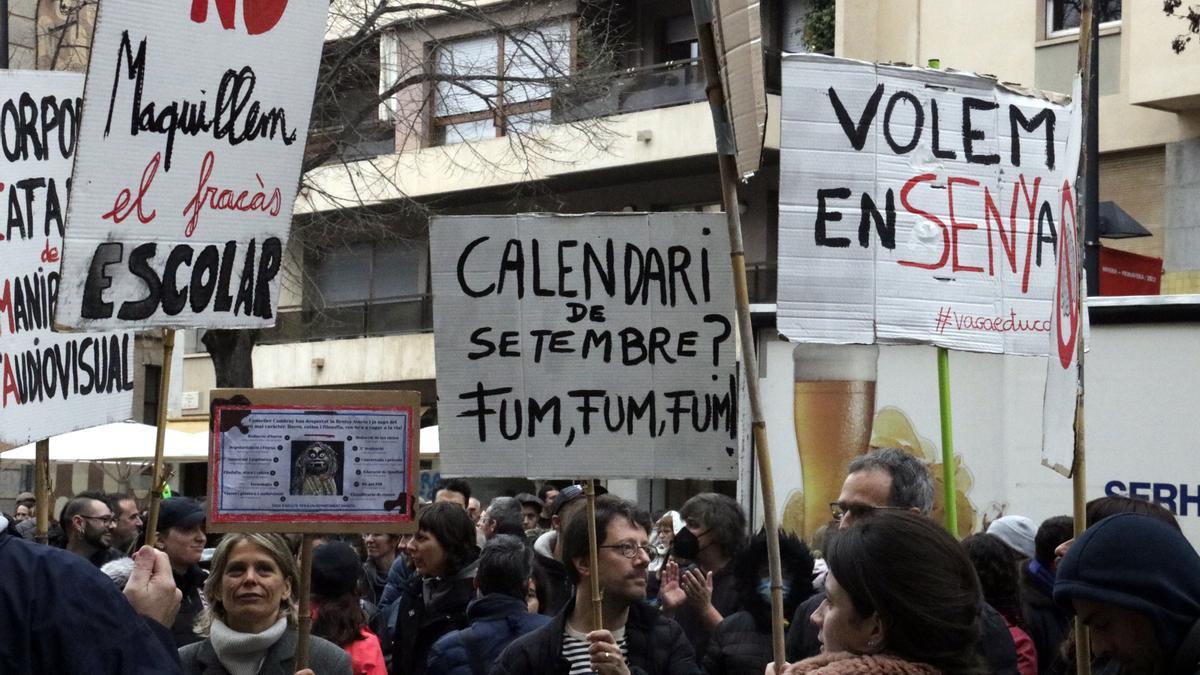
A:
<point x="41" y="467"/>
<point x="160" y="477"/>
<point x="948" y="467"/>
<point x="726" y="158"/>
<point x="589" y="490"/>
<point x="305" y="618"/>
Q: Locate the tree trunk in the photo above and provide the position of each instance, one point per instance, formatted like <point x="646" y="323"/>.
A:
<point x="230" y="351"/>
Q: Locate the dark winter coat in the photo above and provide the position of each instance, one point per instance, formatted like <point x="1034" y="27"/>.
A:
<point x="726" y="600"/>
<point x="418" y="626"/>
<point x="996" y="644"/>
<point x="1045" y="622"/>
<point x="496" y="620"/>
<point x="190" y="584"/>
<point x="324" y="657"/>
<point x="738" y="647"/>
<point x="59" y="614"/>
<point x="656" y="646"/>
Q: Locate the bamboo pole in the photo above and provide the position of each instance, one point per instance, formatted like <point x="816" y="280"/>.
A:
<point x="950" y="494"/>
<point x="589" y="491"/>
<point x="305" y="618"/>
<point x="164" y="389"/>
<point x="1087" y="205"/>
<point x="41" y="488"/>
<point x="702" y="10"/>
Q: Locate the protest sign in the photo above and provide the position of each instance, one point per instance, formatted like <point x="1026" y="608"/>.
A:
<point x="919" y="206"/>
<point x="598" y="345"/>
<point x="313" y="461"/>
<point x="51" y="384"/>
<point x="194" y="128"/>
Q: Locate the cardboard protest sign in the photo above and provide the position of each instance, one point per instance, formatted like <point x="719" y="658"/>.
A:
<point x="49" y="384"/>
<point x="598" y="345"/>
<point x="194" y="128"/>
<point x="1068" y="324"/>
<point x="313" y="461"/>
<point x="739" y="41"/>
<point x="919" y="206"/>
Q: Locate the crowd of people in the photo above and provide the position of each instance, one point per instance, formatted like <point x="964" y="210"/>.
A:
<point x="506" y="588"/>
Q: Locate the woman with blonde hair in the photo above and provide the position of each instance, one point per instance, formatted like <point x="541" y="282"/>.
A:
<point x="249" y="622"/>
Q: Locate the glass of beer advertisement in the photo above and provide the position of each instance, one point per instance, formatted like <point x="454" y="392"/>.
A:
<point x="833" y="405"/>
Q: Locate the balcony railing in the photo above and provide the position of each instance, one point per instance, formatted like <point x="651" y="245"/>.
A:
<point x="645" y="88"/>
<point x="386" y="316"/>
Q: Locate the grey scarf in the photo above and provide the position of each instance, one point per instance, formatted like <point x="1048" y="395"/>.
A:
<point x="243" y="653"/>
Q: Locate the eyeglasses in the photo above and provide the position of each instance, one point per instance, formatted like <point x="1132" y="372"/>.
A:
<point x="858" y="510"/>
<point x="630" y="550"/>
<point x="107" y="520"/>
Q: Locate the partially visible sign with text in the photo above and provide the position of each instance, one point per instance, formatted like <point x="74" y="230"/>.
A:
<point x="189" y="160"/>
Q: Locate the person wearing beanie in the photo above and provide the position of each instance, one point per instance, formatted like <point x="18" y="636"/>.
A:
<point x="1135" y="582"/>
<point x="1018" y="532"/>
<point x="337" y="615"/>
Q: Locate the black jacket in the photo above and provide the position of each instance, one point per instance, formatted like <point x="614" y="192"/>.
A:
<point x="190" y="584"/>
<point x="724" y="598"/>
<point x="738" y="647"/>
<point x="656" y="646"/>
<point x="59" y="614"/>
<point x="558" y="587"/>
<point x="419" y="626"/>
<point x="1046" y="624"/>
<point x="996" y="643"/>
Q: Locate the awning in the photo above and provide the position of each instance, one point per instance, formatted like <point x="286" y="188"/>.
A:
<point x="1116" y="224"/>
<point x="119" y="442"/>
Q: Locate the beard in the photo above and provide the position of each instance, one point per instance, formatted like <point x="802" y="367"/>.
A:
<point x="97" y="538"/>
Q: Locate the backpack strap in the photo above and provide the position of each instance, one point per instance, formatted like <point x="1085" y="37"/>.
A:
<point x="471" y="645"/>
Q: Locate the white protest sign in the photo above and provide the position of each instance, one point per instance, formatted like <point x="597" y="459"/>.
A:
<point x="1067" y="326"/>
<point x="313" y="461"/>
<point x="190" y="147"/>
<point x="918" y="206"/>
<point x="51" y="384"/>
<point x="598" y="345"/>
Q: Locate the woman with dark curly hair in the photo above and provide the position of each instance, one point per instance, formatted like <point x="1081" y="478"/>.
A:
<point x="433" y="601"/>
<point x="741" y="643"/>
<point x="901" y="598"/>
<point x="996" y="566"/>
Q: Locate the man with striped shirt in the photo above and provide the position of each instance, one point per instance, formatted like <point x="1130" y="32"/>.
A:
<point x="633" y="639"/>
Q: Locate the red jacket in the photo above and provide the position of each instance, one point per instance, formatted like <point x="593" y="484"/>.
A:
<point x="366" y="656"/>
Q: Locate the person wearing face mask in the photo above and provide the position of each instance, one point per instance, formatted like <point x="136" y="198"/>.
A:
<point x="701" y="596"/>
<point x="741" y="644"/>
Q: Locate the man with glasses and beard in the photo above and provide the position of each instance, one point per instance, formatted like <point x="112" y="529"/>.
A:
<point x="891" y="479"/>
<point x="633" y="636"/>
<point x="88" y="523"/>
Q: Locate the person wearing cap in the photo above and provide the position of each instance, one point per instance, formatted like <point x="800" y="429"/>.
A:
<point x="548" y="549"/>
<point x="27" y="528"/>
<point x="337" y="614"/>
<point x="531" y="512"/>
<point x="1018" y="533"/>
<point x="181" y="536"/>
<point x="1135" y="582"/>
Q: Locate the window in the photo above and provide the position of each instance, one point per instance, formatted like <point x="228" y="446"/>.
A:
<point x="151" y="376"/>
<point x="1062" y="16"/>
<point x="679" y="39"/>
<point x="345" y="112"/>
<point x="370" y="273"/>
<point x="501" y="83"/>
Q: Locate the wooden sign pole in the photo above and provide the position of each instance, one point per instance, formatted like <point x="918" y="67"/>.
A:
<point x="589" y="491"/>
<point x="305" y="619"/>
<point x="1088" y="203"/>
<point x="728" y="168"/>
<point x="41" y="488"/>
<point x="157" y="483"/>
<point x="950" y="491"/>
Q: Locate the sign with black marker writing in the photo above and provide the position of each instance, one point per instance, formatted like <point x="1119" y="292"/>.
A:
<point x="598" y="345"/>
<point x="189" y="157"/>
<point x="920" y="206"/>
<point x="49" y="384"/>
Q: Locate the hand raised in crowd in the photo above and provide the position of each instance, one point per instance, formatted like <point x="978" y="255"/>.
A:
<point x="606" y="655"/>
<point x="671" y="592"/>
<point x="151" y="587"/>
<point x="699" y="588"/>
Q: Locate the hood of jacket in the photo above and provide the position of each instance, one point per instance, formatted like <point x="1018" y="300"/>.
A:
<point x="845" y="663"/>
